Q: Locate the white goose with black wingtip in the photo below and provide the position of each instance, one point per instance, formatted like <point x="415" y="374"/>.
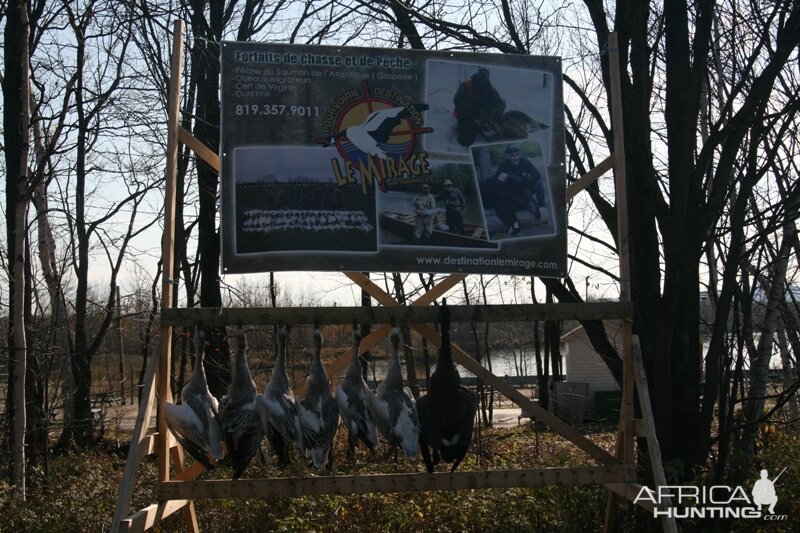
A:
<point x="195" y="422"/>
<point x="393" y="406"/>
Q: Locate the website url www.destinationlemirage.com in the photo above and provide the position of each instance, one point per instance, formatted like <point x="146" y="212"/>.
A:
<point x="486" y="261"/>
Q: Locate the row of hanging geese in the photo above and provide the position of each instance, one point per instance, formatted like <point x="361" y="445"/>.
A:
<point x="439" y="423"/>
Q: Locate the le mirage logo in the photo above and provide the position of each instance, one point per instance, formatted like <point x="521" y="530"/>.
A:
<point x="375" y="131"/>
<point x="717" y="501"/>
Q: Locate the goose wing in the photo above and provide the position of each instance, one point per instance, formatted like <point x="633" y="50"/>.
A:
<point x="405" y="421"/>
<point x="378" y="407"/>
<point x="204" y="406"/>
<point x="187" y="428"/>
<point x="246" y="437"/>
<point x="280" y="412"/>
<point x="352" y="403"/>
<point x="318" y="427"/>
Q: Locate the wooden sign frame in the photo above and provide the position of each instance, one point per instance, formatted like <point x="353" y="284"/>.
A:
<point x="176" y="492"/>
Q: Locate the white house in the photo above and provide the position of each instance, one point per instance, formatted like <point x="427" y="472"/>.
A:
<point x="584" y="365"/>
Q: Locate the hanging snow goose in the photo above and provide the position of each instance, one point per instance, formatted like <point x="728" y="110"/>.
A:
<point x="278" y="408"/>
<point x="447" y="411"/>
<point x="319" y="415"/>
<point x="195" y="422"/>
<point x="393" y="407"/>
<point x="239" y="411"/>
<point x="352" y="396"/>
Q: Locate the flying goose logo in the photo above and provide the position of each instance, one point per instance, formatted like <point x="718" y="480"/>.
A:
<point x="375" y="132"/>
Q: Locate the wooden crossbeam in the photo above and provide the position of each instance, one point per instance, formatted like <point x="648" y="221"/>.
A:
<point x="383" y="298"/>
<point x="406" y="314"/>
<point x="151" y="515"/>
<point x="339" y="365"/>
<point x="204" y="152"/>
<point x="590" y="177"/>
<point x="407" y="482"/>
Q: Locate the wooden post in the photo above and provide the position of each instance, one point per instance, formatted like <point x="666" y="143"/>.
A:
<point x="626" y="436"/>
<point x="621" y="195"/>
<point x="167" y="265"/>
<point x="168" y="244"/>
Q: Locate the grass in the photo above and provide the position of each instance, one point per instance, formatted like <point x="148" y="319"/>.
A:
<point x="80" y="494"/>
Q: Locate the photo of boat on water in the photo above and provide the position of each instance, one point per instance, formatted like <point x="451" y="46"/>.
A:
<point x="443" y="210"/>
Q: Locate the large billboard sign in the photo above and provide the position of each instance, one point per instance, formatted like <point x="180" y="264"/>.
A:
<point x="363" y="159"/>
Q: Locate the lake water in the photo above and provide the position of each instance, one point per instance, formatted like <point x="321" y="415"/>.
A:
<point x="504" y="363"/>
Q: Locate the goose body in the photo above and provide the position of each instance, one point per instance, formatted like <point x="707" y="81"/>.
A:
<point x="319" y="415"/>
<point x="447" y="411"/>
<point x="376" y="129"/>
<point x="195" y="422"/>
<point x="393" y="407"/>
<point x="239" y="412"/>
<point x="280" y="420"/>
<point x="352" y="396"/>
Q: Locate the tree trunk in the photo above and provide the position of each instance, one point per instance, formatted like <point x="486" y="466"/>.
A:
<point x="81" y="429"/>
<point x="792" y="409"/>
<point x="20" y="348"/>
<point x="46" y="247"/>
<point x="16" y="123"/>
<point x="759" y="367"/>
<point x="205" y="59"/>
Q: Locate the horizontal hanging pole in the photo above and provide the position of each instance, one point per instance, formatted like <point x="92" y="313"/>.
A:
<point x="214" y="316"/>
<point x="307" y="486"/>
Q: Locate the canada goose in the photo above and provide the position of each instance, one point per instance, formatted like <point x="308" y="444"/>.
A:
<point x="447" y="411"/>
<point x="393" y="407"/>
<point x="375" y="129"/>
<point x="279" y="418"/>
<point x="195" y="422"/>
<point x="352" y="396"/>
<point x="239" y="411"/>
<point x="319" y="415"/>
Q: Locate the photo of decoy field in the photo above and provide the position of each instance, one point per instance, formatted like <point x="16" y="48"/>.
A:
<point x="286" y="200"/>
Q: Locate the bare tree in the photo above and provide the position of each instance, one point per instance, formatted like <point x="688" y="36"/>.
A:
<point x="16" y="124"/>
